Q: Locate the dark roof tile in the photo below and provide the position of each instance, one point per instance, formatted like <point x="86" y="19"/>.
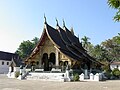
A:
<point x="7" y="56"/>
<point x="67" y="43"/>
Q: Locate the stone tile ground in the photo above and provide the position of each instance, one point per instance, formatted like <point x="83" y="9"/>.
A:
<point x="14" y="84"/>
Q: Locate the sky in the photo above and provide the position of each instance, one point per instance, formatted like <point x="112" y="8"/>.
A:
<point x="22" y="20"/>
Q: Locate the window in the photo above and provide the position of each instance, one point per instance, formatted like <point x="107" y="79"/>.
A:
<point x="7" y="63"/>
<point x="2" y="63"/>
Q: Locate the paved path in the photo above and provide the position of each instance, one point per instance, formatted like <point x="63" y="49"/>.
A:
<point x="14" y="84"/>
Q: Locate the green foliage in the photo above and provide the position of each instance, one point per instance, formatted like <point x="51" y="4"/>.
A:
<point x="117" y="16"/>
<point x="35" y="41"/>
<point x="26" y="47"/>
<point x="108" y="74"/>
<point x="107" y="51"/>
<point x="107" y="70"/>
<point x="116" y="72"/>
<point x="112" y="46"/>
<point x="116" y="5"/>
<point x="76" y="77"/>
<point x="17" y="74"/>
<point x="85" y="42"/>
<point x="99" y="53"/>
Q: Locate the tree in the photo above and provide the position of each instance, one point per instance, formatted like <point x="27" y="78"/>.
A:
<point x="97" y="52"/>
<point x="35" y="41"/>
<point x="26" y="47"/>
<point x="113" y="48"/>
<point x="116" y="5"/>
<point x="85" y="42"/>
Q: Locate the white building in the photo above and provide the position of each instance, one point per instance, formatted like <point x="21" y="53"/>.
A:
<point x="5" y="61"/>
<point x="114" y="65"/>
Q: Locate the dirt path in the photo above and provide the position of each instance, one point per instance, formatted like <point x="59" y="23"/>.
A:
<point x="14" y="84"/>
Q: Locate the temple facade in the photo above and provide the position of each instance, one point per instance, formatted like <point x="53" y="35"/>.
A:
<point x="59" y="47"/>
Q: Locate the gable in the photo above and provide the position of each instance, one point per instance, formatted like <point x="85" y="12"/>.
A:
<point x="47" y="47"/>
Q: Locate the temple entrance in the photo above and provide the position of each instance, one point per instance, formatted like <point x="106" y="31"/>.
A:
<point x="52" y="58"/>
<point x="48" y="63"/>
<point x="45" y="62"/>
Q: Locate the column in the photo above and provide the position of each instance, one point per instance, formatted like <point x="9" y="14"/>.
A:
<point x="57" y="58"/>
<point x="40" y="62"/>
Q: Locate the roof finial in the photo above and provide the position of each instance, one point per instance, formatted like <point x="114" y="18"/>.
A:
<point x="57" y="21"/>
<point x="72" y="31"/>
<point x="63" y="23"/>
<point x="45" y="18"/>
<point x="78" y="38"/>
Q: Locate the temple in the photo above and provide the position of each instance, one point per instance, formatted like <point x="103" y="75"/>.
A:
<point x="59" y="47"/>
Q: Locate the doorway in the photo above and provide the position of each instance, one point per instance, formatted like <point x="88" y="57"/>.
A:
<point x="52" y="58"/>
<point x="45" y="62"/>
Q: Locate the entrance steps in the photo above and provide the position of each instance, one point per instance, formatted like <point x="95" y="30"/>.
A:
<point x="46" y="76"/>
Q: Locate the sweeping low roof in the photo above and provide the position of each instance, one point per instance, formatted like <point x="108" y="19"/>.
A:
<point x="65" y="41"/>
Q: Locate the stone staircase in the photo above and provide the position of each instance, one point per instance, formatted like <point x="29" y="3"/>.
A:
<point x="46" y="76"/>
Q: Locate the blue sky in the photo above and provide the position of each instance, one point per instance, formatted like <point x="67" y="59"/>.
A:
<point x="24" y="19"/>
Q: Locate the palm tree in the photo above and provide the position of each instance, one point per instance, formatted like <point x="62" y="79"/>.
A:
<point x="85" y="42"/>
<point x="116" y="5"/>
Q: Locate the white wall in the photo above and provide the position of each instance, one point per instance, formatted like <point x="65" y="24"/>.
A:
<point x="112" y="67"/>
<point x="16" y="69"/>
<point x="46" y="76"/>
<point x="4" y="69"/>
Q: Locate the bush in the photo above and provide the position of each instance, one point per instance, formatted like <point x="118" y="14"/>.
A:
<point x="76" y="77"/>
<point x="108" y="74"/>
<point x="116" y="72"/>
<point x="106" y="68"/>
<point x="107" y="71"/>
<point x="17" y="74"/>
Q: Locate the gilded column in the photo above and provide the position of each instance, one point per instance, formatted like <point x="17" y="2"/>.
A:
<point x="57" y="58"/>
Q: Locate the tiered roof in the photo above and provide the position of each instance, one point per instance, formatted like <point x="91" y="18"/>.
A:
<point x="65" y="41"/>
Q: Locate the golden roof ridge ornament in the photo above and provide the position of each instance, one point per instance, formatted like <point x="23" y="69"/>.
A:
<point x="63" y="23"/>
<point x="45" y="21"/>
<point x="57" y="25"/>
<point x="79" y="38"/>
<point x="72" y="30"/>
<point x="64" y="28"/>
<point x="57" y="22"/>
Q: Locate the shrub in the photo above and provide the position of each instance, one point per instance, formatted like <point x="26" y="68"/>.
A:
<point x="116" y="72"/>
<point x="108" y="74"/>
<point x="76" y="77"/>
<point x="107" y="71"/>
<point x="17" y="74"/>
<point x="106" y="68"/>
